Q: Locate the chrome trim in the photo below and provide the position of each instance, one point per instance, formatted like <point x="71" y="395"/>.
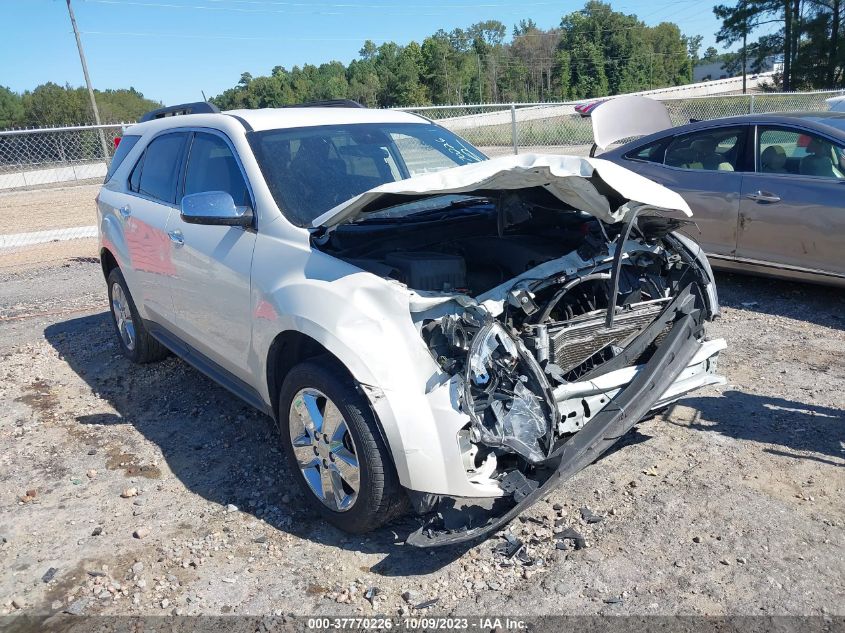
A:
<point x="176" y="237"/>
<point x="790" y="267"/>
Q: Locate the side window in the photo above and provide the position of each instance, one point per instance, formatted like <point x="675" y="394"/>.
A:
<point x="716" y="149"/>
<point x="652" y="153"/>
<point x="213" y="167"/>
<point x="135" y="176"/>
<point x="790" y="151"/>
<point x="161" y="164"/>
<point x="124" y="146"/>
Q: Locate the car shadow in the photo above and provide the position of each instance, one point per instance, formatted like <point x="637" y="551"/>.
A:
<point x="217" y="446"/>
<point x="821" y="305"/>
<point x="797" y="427"/>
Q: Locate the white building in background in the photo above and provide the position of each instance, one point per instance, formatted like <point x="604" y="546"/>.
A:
<point x="717" y="70"/>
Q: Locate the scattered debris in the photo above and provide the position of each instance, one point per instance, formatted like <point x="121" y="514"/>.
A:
<point x="129" y="492"/>
<point x="571" y="534"/>
<point x="409" y="596"/>
<point x="370" y="594"/>
<point x="49" y="574"/>
<point x="92" y="474"/>
<point x="510" y="547"/>
<point x="231" y="507"/>
<point x="97" y="531"/>
<point x="427" y="604"/>
<point x="589" y="516"/>
<point x="141" y="532"/>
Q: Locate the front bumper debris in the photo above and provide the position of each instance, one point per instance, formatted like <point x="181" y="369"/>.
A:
<point x="644" y="391"/>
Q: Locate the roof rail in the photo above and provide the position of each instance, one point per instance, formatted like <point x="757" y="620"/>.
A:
<point x="328" y="103"/>
<point x="200" y="107"/>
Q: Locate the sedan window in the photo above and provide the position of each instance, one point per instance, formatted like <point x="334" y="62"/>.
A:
<point x="790" y="151"/>
<point x="710" y="150"/>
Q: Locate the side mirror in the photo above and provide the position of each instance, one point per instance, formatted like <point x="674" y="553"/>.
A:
<point x="215" y="208"/>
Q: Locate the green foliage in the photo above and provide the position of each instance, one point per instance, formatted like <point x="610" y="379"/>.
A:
<point x="11" y="108"/>
<point x="807" y="38"/>
<point x="50" y="105"/>
<point x="595" y="52"/>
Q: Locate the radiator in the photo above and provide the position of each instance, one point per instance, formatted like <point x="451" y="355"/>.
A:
<point x="578" y="339"/>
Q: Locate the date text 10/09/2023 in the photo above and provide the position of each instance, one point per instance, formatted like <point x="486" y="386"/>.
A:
<point x="420" y="623"/>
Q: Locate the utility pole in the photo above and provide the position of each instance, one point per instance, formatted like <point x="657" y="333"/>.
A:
<point x="744" y="44"/>
<point x="103" y="144"/>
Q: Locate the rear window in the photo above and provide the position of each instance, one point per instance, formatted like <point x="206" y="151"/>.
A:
<point x="160" y="168"/>
<point x="123" y="149"/>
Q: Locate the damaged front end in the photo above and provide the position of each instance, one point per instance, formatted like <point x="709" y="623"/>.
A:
<point x="554" y="369"/>
<point x="559" y="309"/>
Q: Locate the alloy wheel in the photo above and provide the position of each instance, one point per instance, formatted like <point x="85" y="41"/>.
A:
<point x="324" y="449"/>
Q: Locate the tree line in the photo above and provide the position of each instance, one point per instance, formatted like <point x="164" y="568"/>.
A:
<point x="50" y="105"/>
<point x="595" y="52"/>
<point x="807" y="39"/>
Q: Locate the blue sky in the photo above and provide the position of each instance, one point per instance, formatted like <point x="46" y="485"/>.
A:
<point x="172" y="49"/>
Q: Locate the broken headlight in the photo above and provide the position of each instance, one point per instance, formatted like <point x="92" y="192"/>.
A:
<point x="506" y="395"/>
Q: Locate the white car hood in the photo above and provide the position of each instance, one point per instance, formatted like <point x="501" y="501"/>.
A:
<point x="628" y="117"/>
<point x="565" y="177"/>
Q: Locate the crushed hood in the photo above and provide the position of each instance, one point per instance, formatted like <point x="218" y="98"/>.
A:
<point x="565" y="177"/>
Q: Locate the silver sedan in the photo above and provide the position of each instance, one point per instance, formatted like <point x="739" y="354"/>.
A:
<point x="767" y="190"/>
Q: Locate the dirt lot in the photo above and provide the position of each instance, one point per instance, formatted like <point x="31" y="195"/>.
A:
<point x="48" y="208"/>
<point x="129" y="489"/>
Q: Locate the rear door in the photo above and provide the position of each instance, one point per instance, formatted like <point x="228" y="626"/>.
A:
<point x="153" y="189"/>
<point x="792" y="212"/>
<point x="706" y="168"/>
<point x="212" y="264"/>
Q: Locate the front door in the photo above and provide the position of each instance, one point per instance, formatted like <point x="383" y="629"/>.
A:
<point x="792" y="212"/>
<point x="212" y="264"/>
<point x="705" y="167"/>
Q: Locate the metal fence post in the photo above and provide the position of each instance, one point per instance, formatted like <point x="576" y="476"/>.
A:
<point x="513" y="129"/>
<point x="751" y="105"/>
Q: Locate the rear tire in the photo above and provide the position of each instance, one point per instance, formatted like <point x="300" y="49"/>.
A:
<point x="134" y="340"/>
<point x="346" y="474"/>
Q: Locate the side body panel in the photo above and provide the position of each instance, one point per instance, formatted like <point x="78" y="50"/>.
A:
<point x="804" y="227"/>
<point x="713" y="197"/>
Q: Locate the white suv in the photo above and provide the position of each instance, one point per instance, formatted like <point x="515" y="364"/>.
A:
<point x="429" y="328"/>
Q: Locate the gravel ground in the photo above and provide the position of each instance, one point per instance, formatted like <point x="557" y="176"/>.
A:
<point x="127" y="490"/>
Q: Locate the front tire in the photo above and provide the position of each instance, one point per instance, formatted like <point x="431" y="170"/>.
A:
<point x="135" y="342"/>
<point x="332" y="441"/>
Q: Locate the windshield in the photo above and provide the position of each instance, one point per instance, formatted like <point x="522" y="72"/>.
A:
<point x="312" y="169"/>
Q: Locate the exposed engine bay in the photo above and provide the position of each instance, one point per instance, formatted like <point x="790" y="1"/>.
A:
<point x="540" y="315"/>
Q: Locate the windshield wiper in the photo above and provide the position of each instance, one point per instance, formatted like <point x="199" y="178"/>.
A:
<point x="428" y="214"/>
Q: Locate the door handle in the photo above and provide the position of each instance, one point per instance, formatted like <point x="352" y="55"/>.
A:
<point x="125" y="211"/>
<point x="177" y="238"/>
<point x="763" y="196"/>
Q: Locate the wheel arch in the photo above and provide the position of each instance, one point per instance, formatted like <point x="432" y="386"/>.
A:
<point x="108" y="262"/>
<point x="292" y="347"/>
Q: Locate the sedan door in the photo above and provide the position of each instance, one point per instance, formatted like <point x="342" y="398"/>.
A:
<point x="212" y="264"/>
<point x="706" y="168"/>
<point x="792" y="213"/>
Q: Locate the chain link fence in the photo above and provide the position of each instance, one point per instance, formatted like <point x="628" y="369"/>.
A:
<point x="34" y="161"/>
<point x="39" y="157"/>
<point x="558" y="128"/>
